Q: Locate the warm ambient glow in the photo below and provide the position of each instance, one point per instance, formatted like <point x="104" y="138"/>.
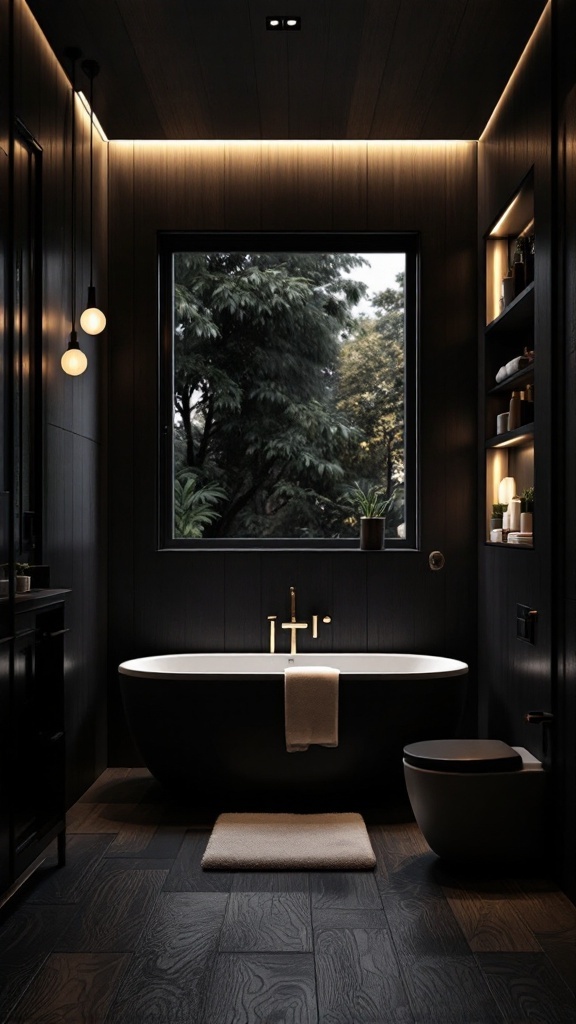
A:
<point x="506" y="490"/>
<point x="92" y="320"/>
<point x="524" y="57"/>
<point x="504" y="217"/>
<point x="97" y="124"/>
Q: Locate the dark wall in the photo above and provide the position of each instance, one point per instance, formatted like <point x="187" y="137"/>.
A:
<point x="73" y="540"/>
<point x="564" y="412"/>
<point x="516" y="677"/>
<point x="168" y="601"/>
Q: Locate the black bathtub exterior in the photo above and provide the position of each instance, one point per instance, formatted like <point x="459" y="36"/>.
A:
<point x="219" y="741"/>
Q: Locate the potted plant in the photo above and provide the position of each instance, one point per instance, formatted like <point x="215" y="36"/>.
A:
<point x="498" y="511"/>
<point x="372" y="506"/>
<point x="527" y="498"/>
<point x="22" y="577"/>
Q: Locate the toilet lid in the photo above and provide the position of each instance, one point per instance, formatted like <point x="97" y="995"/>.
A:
<point x="463" y="756"/>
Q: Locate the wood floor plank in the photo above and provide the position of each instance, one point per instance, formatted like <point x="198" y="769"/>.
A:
<point x="53" y="884"/>
<point x="419" y="915"/>
<point x="263" y="922"/>
<point x="136" y="832"/>
<point x="450" y="990"/>
<point x="276" y="988"/>
<point x="527" y="988"/>
<point x="71" y="988"/>
<point x="113" y="916"/>
<point x="31" y="931"/>
<point x="358" y="977"/>
<point x="547" y="912"/>
<point x="15" y="979"/>
<point x="105" y="786"/>
<point x="342" y="889"/>
<point x="397" y="846"/>
<point x="102" y="818"/>
<point x="561" y="951"/>
<point x="187" y="875"/>
<point x="491" y="922"/>
<point x="330" y="919"/>
<point x="167" y="977"/>
<point x="270" y="881"/>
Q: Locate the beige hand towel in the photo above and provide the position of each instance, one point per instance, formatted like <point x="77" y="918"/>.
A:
<point x="311" y="706"/>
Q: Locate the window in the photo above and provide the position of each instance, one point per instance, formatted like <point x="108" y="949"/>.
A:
<point x="288" y="376"/>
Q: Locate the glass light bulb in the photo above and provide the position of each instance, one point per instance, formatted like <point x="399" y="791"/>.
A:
<point x="93" y="320"/>
<point x="74" y="362"/>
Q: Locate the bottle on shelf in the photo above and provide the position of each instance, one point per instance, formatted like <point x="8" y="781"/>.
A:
<point x="529" y="259"/>
<point x="514" y="515"/>
<point x="514" y="416"/>
<point x="519" y="267"/>
<point x="521" y="410"/>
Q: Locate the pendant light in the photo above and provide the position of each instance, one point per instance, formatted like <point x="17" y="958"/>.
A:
<point x="73" y="361"/>
<point x="92" y="320"/>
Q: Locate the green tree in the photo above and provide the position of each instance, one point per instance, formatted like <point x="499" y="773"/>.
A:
<point x="371" y="395"/>
<point x="256" y="351"/>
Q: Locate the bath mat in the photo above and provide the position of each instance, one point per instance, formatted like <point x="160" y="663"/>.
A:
<point x="279" y="842"/>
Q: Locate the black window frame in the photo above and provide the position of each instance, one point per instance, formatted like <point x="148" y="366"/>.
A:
<point x="170" y="242"/>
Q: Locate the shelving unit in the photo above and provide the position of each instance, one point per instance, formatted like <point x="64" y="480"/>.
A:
<point x="509" y="333"/>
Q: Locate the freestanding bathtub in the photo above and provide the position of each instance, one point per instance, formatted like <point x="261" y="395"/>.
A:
<point x="211" y="726"/>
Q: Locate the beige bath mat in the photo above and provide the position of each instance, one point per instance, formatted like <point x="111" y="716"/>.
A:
<point x="276" y="842"/>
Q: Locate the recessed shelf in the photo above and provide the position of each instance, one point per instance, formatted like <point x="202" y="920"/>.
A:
<point x="510" y="547"/>
<point x="515" y="380"/>
<point x="517" y="316"/>
<point x="513" y="438"/>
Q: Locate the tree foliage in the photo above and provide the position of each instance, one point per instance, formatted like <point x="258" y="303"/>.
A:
<point x="269" y="397"/>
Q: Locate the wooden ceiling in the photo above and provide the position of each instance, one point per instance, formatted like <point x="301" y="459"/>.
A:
<point x="357" y="69"/>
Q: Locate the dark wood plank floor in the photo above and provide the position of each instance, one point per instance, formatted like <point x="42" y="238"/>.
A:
<point x="132" y="931"/>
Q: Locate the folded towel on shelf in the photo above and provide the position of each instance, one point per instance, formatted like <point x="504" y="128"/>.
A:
<point x="311" y="706"/>
<point x="521" y="538"/>
<point x="512" y="367"/>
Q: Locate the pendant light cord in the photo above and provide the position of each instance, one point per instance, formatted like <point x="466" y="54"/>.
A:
<point x="91" y="175"/>
<point x="73" y="191"/>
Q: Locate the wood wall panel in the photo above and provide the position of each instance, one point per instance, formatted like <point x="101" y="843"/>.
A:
<point x="73" y="542"/>
<point x="512" y="673"/>
<point x="565" y="30"/>
<point x="535" y="117"/>
<point x="220" y="600"/>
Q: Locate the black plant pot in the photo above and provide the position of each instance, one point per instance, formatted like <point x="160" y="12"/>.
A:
<point x="372" y="533"/>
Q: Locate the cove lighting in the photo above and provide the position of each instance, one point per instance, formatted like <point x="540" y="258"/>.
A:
<point x="86" y="104"/>
<point x="277" y="22"/>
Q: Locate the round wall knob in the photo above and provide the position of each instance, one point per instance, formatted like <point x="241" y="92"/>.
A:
<point x="436" y="560"/>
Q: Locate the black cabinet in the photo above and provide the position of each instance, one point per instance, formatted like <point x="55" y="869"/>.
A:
<point x="33" y="805"/>
<point x="5" y="870"/>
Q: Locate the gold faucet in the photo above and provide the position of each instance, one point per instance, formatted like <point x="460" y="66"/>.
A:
<point x="293" y="625"/>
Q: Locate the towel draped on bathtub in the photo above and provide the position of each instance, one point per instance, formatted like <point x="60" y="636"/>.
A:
<point x="311" y="706"/>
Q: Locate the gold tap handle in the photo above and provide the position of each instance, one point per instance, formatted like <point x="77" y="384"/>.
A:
<point x="272" y="621"/>
<point x="326" y="619"/>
